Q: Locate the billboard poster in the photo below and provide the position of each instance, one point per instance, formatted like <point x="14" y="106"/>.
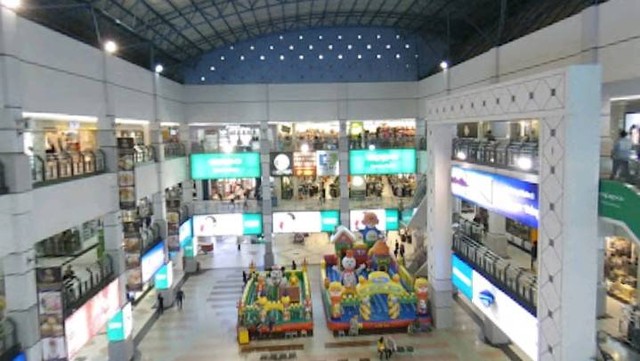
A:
<point x="152" y="261"/>
<point x="232" y="224"/>
<point x="305" y="222"/>
<point x="206" y="166"/>
<point x="512" y="198"/>
<point x="382" y="161"/>
<point x="281" y="164"/>
<point x="304" y="164"/>
<point x="327" y="163"/>
<point x="120" y="326"/>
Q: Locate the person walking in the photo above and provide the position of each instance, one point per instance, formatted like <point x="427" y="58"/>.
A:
<point x="244" y="277"/>
<point x="390" y="346"/>
<point x="381" y="348"/>
<point x="179" y="298"/>
<point x="160" y="304"/>
<point x="402" y="250"/>
<point x="620" y="155"/>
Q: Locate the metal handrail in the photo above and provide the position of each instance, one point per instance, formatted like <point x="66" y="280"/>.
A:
<point x="174" y="150"/>
<point x="502" y="153"/>
<point x="77" y="292"/>
<point x="382" y="143"/>
<point x="66" y="166"/>
<point x="517" y="282"/>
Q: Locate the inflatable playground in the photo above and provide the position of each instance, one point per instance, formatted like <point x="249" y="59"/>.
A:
<point x="275" y="304"/>
<point x="364" y="286"/>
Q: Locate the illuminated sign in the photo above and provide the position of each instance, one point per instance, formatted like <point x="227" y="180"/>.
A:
<point x="231" y="224"/>
<point x="305" y="222"/>
<point x="152" y="261"/>
<point x="164" y="277"/>
<point x="387" y="218"/>
<point x="304" y="164"/>
<point x="89" y="319"/>
<point x="225" y="165"/>
<point x="121" y="325"/>
<point x="509" y="197"/>
<point x="382" y="161"/>
<point x="281" y="164"/>
<point x="187" y="240"/>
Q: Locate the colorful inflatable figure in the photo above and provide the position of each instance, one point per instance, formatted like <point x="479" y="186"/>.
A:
<point x="370" y="233"/>
<point x="422" y="293"/>
<point x="348" y="275"/>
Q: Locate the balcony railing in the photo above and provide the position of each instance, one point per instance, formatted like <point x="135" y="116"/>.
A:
<point x="632" y="177"/>
<point x="520" y="284"/>
<point x="79" y="290"/>
<point x="502" y="153"/>
<point x="66" y="166"/>
<point x="144" y="154"/>
<point x="151" y="237"/>
<point x="3" y="183"/>
<point x="174" y="150"/>
<point x="9" y="346"/>
<point x="372" y="141"/>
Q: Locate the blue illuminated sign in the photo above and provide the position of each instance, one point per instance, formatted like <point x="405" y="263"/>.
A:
<point x="487" y="298"/>
<point x="462" y="276"/>
<point x="509" y="197"/>
<point x="21" y="357"/>
<point x="152" y="261"/>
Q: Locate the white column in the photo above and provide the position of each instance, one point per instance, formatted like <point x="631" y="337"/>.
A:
<point x="496" y="236"/>
<point x="568" y="270"/>
<point x="343" y="157"/>
<point x="19" y="264"/>
<point x="439" y="232"/>
<point x="267" y="207"/>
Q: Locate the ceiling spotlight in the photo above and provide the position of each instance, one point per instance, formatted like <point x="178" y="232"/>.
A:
<point x="159" y="68"/>
<point x="11" y="4"/>
<point x="110" y="46"/>
<point x="304" y="148"/>
<point x="444" y="65"/>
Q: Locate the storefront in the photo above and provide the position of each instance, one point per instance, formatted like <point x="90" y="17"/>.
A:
<point x="308" y="174"/>
<point x="368" y="134"/>
<point x="621" y="268"/>
<point x="227" y="176"/>
<point x="382" y="173"/>
<point x="225" y="138"/>
<point x="304" y="136"/>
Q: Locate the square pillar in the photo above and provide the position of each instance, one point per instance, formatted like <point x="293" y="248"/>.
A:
<point x="343" y="157"/>
<point x="267" y="206"/>
<point x="439" y="233"/>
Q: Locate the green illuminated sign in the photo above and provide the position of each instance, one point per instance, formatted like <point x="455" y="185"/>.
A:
<point x="251" y="224"/>
<point x="225" y="165"/>
<point x="391" y="219"/>
<point x="382" y="161"/>
<point x="620" y="202"/>
<point x="330" y="220"/>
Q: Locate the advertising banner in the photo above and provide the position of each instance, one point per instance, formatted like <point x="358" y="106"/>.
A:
<point x="304" y="164"/>
<point x="281" y="164"/>
<point x="388" y="219"/>
<point x="187" y="240"/>
<point x="126" y="174"/>
<point x="382" y="161"/>
<point x="517" y="323"/>
<point x="225" y="165"/>
<point x="233" y="224"/>
<point x="121" y="325"/>
<point x="330" y="220"/>
<point x="305" y="222"/>
<point x="164" y="277"/>
<point x="152" y="261"/>
<point x="462" y="277"/>
<point x="89" y="319"/>
<point x="509" y="197"/>
<point x="51" y="312"/>
<point x="173" y="225"/>
<point x="327" y="163"/>
<point x="620" y="202"/>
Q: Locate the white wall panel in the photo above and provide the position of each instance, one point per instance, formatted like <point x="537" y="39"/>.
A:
<point x="170" y="110"/>
<point x="475" y="72"/>
<point x="51" y="91"/>
<point x="132" y="104"/>
<point x="224" y="93"/>
<point x="304" y="110"/>
<point x="616" y="21"/>
<point x="175" y="171"/>
<point x="621" y="61"/>
<point x="551" y="65"/>
<point x="146" y="180"/>
<point x="69" y="204"/>
<point x="5" y="223"/>
<point x="433" y="86"/>
<point x="562" y="39"/>
<point x="226" y="112"/>
<point x="279" y="92"/>
<point x="382" y="109"/>
<point x="43" y="46"/>
<point x="390" y="90"/>
<point x="169" y="89"/>
<point x="128" y="75"/>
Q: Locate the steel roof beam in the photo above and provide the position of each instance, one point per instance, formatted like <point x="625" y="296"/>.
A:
<point x="224" y="19"/>
<point x="206" y="19"/>
<point x="189" y="21"/>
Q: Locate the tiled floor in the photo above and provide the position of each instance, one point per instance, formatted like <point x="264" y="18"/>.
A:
<point x="205" y="330"/>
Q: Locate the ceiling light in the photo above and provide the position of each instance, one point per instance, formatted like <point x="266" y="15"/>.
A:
<point x="252" y="47"/>
<point x="159" y="68"/>
<point x="110" y="46"/>
<point x="525" y="163"/>
<point x="11" y="4"/>
<point x="262" y="57"/>
<point x="131" y="121"/>
<point x="212" y="68"/>
<point x="61" y="117"/>
<point x="444" y="65"/>
<point x="202" y="78"/>
<point x="304" y="148"/>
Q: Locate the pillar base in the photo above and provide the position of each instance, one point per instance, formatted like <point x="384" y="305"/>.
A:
<point x="191" y="265"/>
<point x="122" y="350"/>
<point x="492" y="334"/>
<point x="442" y="308"/>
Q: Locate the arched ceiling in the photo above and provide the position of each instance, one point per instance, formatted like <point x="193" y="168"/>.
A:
<point x="181" y="30"/>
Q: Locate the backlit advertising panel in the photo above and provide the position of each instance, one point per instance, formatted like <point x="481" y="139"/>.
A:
<point x="388" y="219"/>
<point x="305" y="222"/>
<point x="462" y="277"/>
<point x="120" y="326"/>
<point x="89" y="319"/>
<point x="517" y="323"/>
<point x="509" y="197"/>
<point x="382" y="161"/>
<point x="225" y="165"/>
<point x="304" y="164"/>
<point x="232" y="224"/>
<point x="187" y="241"/>
<point x="327" y="163"/>
<point x="152" y="261"/>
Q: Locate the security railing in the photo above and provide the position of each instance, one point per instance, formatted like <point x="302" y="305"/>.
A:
<point x="383" y="142"/>
<point x="66" y="166"/>
<point x="3" y="185"/>
<point x="520" y="284"/>
<point x="293" y="144"/>
<point x="144" y="154"/>
<point x="503" y="153"/>
<point x="9" y="346"/>
<point x="174" y="150"/>
<point x="213" y="207"/>
<point x="78" y="290"/>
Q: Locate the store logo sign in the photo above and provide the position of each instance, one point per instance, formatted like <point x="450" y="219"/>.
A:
<point x="487" y="298"/>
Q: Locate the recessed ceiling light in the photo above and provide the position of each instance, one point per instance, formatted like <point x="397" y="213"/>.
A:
<point x="110" y="46"/>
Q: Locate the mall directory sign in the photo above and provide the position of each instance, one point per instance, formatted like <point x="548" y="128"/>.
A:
<point x="512" y="198"/>
<point x="231" y="224"/>
<point x="620" y="202"/>
<point x="206" y="166"/>
<point x="305" y="222"/>
<point x="382" y="161"/>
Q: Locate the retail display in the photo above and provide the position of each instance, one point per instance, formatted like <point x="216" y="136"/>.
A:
<point x="365" y="287"/>
<point x="275" y="303"/>
<point x="621" y="269"/>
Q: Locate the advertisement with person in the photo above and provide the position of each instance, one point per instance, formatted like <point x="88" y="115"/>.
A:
<point x="509" y="197"/>
<point x="327" y="163"/>
<point x="281" y="164"/>
<point x="90" y="319"/>
<point x="304" y="164"/>
<point x="234" y="224"/>
<point x="297" y="222"/>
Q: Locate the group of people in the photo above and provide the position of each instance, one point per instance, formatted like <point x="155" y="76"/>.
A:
<point x="386" y="347"/>
<point x="160" y="301"/>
